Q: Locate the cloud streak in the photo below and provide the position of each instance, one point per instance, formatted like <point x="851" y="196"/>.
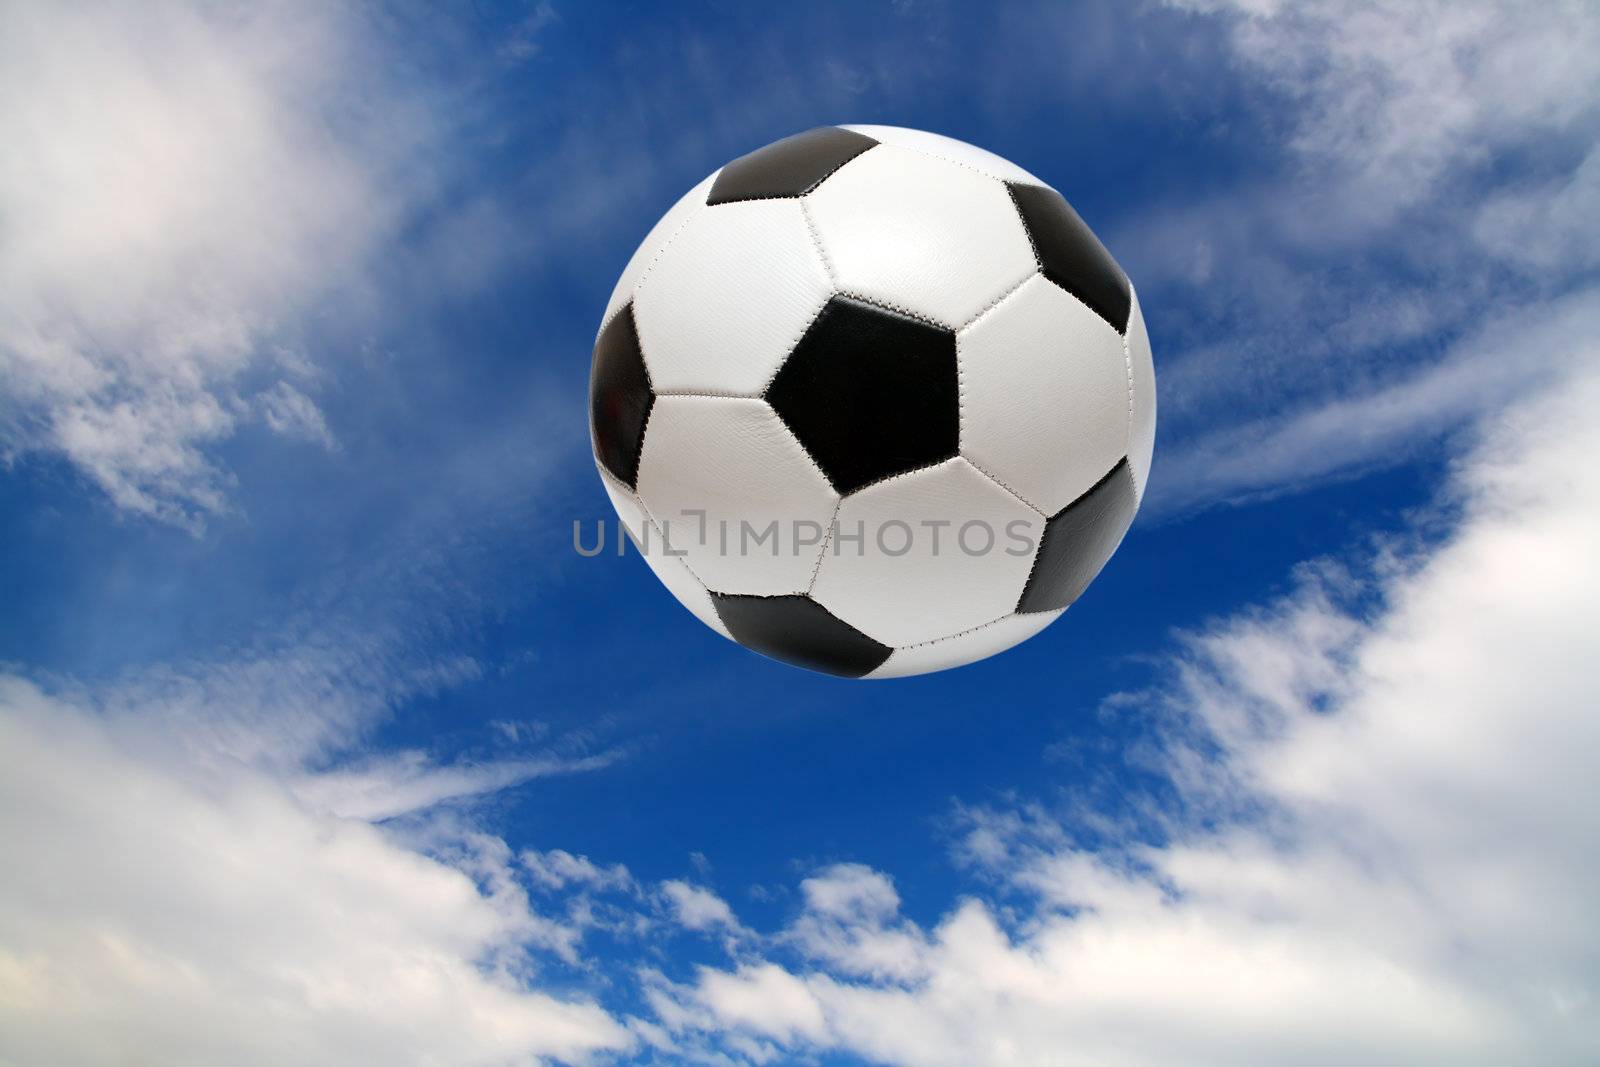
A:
<point x="1386" y="227"/>
<point x="298" y="935"/>
<point x="1475" y="378"/>
<point x="409" y="782"/>
<point x="182" y="187"/>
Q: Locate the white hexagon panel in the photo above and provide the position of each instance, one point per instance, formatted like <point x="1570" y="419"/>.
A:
<point x="920" y="234"/>
<point x="1044" y="391"/>
<point x="734" y="491"/>
<point x="660" y="235"/>
<point x="927" y="555"/>
<point x="729" y="297"/>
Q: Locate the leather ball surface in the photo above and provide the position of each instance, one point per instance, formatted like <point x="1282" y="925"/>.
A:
<point x="874" y="402"/>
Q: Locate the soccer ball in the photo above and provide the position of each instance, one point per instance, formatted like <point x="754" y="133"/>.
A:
<point x="873" y="402"/>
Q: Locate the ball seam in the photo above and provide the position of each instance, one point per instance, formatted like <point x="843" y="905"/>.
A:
<point x="966" y="632"/>
<point x="822" y="553"/>
<point x="1127" y="360"/>
<point x="816" y="242"/>
<point x="655" y="258"/>
<point x="997" y="301"/>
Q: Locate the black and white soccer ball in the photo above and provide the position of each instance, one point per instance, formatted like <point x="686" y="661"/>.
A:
<point x="874" y="402"/>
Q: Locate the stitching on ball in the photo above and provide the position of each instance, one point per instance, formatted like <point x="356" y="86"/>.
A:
<point x="997" y="301"/>
<point x="888" y="306"/>
<point x="842" y="164"/>
<point x="816" y="242"/>
<point x="721" y="627"/>
<point x="707" y="395"/>
<point x="904" y="474"/>
<point x="795" y="344"/>
<point x="792" y="436"/>
<point x="1123" y="333"/>
<point x="644" y="511"/>
<point x="961" y="399"/>
<point x="962" y="633"/>
<point x="997" y="481"/>
<point x="1038" y="550"/>
<point x="1127" y="359"/>
<point x="953" y="162"/>
<point x="1021" y="221"/>
<point x="645" y="274"/>
<point x="804" y="451"/>
<point x="654" y="259"/>
<point x="814" y="186"/>
<point x="607" y="476"/>
<point x="614" y="313"/>
<point x="644" y="437"/>
<point x="757" y="200"/>
<point x="827" y="540"/>
<point x="654" y="525"/>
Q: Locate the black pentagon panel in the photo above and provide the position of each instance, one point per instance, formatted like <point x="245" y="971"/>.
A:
<point x="1071" y="255"/>
<point x="791" y="167"/>
<point x="798" y="630"/>
<point x="870" y="392"/>
<point x="1078" y="540"/>
<point x="619" y="398"/>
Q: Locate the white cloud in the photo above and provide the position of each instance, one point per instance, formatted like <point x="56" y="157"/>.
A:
<point x="1392" y="222"/>
<point x="851" y="923"/>
<point x="144" y="894"/>
<point x="1547" y="226"/>
<point x="294" y="414"/>
<point x="303" y="700"/>
<point x="193" y="842"/>
<point x="180" y="186"/>
<point x="698" y="908"/>
<point x="522" y="43"/>
<point x="1475" y="377"/>
<point x="850" y="891"/>
<point x="765" y="999"/>
<point x="1397" y="100"/>
<point x="1380" y="846"/>
<point x="405" y="782"/>
<point x="557" y="869"/>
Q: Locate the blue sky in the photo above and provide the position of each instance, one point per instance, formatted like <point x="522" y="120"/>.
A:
<point x="308" y="704"/>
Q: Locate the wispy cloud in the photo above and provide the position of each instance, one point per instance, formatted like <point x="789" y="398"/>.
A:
<point x="697" y="908"/>
<point x="292" y="413"/>
<point x="557" y="869"/>
<point x="1401" y="100"/>
<point x="1322" y="287"/>
<point x="144" y="892"/>
<point x="412" y="781"/>
<point x="182" y="186"/>
<point x="1503" y="360"/>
